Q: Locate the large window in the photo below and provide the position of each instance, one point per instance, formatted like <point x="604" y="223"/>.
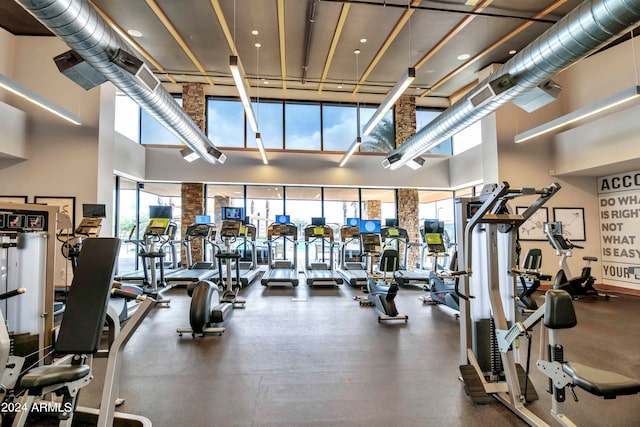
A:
<point x="340" y="204"/>
<point x="467" y="138"/>
<point x="263" y="204"/>
<point x="127" y="120"/>
<point x="339" y="126"/>
<point x="153" y="133"/>
<point x="302" y="126"/>
<point x="378" y="204"/>
<point x="269" y="115"/>
<point x="423" y="118"/>
<point x="224" y="122"/>
<point x="219" y="196"/>
<point x="383" y="137"/>
<point x="127" y="224"/>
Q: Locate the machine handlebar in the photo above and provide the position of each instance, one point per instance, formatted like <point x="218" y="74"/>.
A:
<point x="127" y="295"/>
<point x="12" y="293"/>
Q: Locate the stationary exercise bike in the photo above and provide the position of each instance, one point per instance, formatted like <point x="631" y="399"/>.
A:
<point x="579" y="286"/>
<point x="382" y="291"/>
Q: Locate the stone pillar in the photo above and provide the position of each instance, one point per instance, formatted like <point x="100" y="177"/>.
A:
<point x="408" y="201"/>
<point x="194" y="104"/>
<point x="192" y="195"/>
<point x="372" y="209"/>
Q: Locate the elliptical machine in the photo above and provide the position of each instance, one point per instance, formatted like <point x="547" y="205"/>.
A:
<point x="579" y="286"/>
<point x="529" y="278"/>
<point x="442" y="284"/>
<point x="210" y="304"/>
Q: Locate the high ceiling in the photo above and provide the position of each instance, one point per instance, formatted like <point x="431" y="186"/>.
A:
<point x="186" y="41"/>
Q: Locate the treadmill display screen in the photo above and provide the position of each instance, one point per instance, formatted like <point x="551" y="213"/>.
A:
<point x="318" y="231"/>
<point x="283" y="219"/>
<point x="160" y="212"/>
<point x="370" y="226"/>
<point x="203" y="219"/>
<point x="393" y="232"/>
<point x="433" y="238"/>
<point x="353" y="222"/>
<point x="232" y="213"/>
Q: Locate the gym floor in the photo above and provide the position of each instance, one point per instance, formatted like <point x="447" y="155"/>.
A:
<point x="314" y="357"/>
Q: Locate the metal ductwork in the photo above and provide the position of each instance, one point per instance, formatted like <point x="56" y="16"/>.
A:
<point x="78" y="24"/>
<point x="587" y="28"/>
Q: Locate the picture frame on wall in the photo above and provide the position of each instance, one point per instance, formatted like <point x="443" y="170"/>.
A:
<point x="13" y="199"/>
<point x="533" y="228"/>
<point x="67" y="205"/>
<point x="572" y="220"/>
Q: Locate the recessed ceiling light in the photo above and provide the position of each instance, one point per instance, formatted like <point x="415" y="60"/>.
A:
<point x="134" y="33"/>
<point x="257" y="45"/>
<point x="339" y="86"/>
<point x="357" y="51"/>
<point x="363" y="40"/>
<point x="428" y="71"/>
<point x="266" y="82"/>
<point x="464" y="57"/>
<point x="255" y="32"/>
<point x="471" y="2"/>
<point x="512" y="52"/>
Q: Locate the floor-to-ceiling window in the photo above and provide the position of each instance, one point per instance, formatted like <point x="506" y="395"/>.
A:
<point x="224" y="122"/>
<point x="127" y="224"/>
<point x="263" y="204"/>
<point x="303" y="204"/>
<point x="169" y="196"/>
<point x="378" y="204"/>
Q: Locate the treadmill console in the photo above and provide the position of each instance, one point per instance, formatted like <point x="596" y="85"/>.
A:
<point x="205" y="231"/>
<point x="434" y="242"/>
<point x="230" y="228"/>
<point x="349" y="232"/>
<point x="157" y="227"/>
<point x="389" y="233"/>
<point x="89" y="227"/>
<point x="287" y="230"/>
<point x="371" y="242"/>
<point x="322" y="231"/>
<point x="248" y="231"/>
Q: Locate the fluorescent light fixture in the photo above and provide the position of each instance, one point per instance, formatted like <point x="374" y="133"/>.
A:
<point x="261" y="148"/>
<point x="217" y="154"/>
<point x="242" y="90"/>
<point x="389" y="100"/>
<point x="582" y="113"/>
<point x="416" y="163"/>
<point x="40" y="101"/>
<point x="354" y="146"/>
<point x="189" y="155"/>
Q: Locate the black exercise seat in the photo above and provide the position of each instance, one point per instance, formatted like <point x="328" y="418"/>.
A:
<point x="47" y="375"/>
<point x="601" y="383"/>
<point x="80" y="330"/>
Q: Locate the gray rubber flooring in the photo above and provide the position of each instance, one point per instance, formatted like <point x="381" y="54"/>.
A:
<point x="314" y="357"/>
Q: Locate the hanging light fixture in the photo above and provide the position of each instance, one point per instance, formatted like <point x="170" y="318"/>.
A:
<point x="391" y="98"/>
<point x="358" y="141"/>
<point x="259" y="141"/>
<point x="234" y="64"/>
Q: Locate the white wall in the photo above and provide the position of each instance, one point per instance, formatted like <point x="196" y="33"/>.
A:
<point x="294" y="169"/>
<point x="7" y="47"/>
<point x="13" y="139"/>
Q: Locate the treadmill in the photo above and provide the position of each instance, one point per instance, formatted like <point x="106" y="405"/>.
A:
<point x="281" y="271"/>
<point x="320" y="273"/>
<point x="243" y="237"/>
<point x="199" y="270"/>
<point x="352" y="264"/>
<point x="392" y="236"/>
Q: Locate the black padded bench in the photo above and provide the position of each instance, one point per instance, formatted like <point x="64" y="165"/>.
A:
<point x="80" y="330"/>
<point x="559" y="314"/>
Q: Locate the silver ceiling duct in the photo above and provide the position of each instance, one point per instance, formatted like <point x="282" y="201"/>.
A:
<point x="587" y="28"/>
<point x="78" y="24"/>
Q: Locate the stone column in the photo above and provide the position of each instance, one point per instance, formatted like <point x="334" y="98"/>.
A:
<point x="372" y="209"/>
<point x="193" y="202"/>
<point x="192" y="195"/>
<point x="405" y="115"/>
